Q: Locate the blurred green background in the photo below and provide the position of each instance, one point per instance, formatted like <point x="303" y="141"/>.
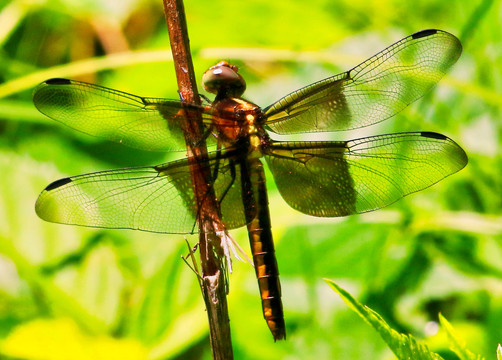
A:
<point x="74" y="293"/>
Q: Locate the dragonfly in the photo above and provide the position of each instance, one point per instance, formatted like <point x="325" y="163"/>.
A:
<point x="318" y="178"/>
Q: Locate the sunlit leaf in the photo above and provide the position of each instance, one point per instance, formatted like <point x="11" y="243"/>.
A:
<point x="457" y="344"/>
<point x="405" y="347"/>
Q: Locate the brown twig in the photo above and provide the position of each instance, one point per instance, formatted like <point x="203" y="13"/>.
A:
<point x="212" y="264"/>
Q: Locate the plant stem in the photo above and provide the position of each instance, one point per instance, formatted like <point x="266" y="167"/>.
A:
<point x="212" y="261"/>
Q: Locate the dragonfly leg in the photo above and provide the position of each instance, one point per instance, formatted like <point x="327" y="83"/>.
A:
<point x="217" y="165"/>
<point x="217" y="168"/>
<point x="205" y="98"/>
<point x="214" y="176"/>
<point x="201" y="96"/>
<point x="208" y="131"/>
<point x="180" y="95"/>
<point x="233" y="176"/>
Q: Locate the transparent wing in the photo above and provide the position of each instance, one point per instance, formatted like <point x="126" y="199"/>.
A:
<point x="342" y="178"/>
<point x="371" y="92"/>
<point x="138" y="122"/>
<point x="157" y="199"/>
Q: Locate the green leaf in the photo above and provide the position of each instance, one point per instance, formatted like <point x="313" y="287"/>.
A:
<point x="403" y="346"/>
<point x="457" y="345"/>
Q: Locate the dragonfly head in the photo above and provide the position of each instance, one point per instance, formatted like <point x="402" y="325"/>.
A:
<point x="222" y="79"/>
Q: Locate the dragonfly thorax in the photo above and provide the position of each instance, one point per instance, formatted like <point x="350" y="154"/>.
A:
<point x="236" y="121"/>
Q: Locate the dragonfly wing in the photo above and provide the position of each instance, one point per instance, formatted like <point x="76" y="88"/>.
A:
<point x="373" y="91"/>
<point x="356" y="176"/>
<point x="142" y="123"/>
<point x="157" y="199"/>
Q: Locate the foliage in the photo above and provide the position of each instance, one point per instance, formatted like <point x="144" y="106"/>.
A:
<point x="124" y="292"/>
<point x="403" y="346"/>
<point x="456" y="344"/>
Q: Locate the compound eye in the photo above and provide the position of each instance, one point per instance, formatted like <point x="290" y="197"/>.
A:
<point x="223" y="79"/>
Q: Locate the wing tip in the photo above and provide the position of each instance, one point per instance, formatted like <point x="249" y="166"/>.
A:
<point x="57" y="81"/>
<point x="430" y="32"/>
<point x="433" y="135"/>
<point x="424" y="33"/>
<point x="45" y="207"/>
<point x="463" y="159"/>
<point x="58" y="183"/>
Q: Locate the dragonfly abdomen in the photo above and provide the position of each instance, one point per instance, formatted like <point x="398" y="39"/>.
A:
<point x="255" y="200"/>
